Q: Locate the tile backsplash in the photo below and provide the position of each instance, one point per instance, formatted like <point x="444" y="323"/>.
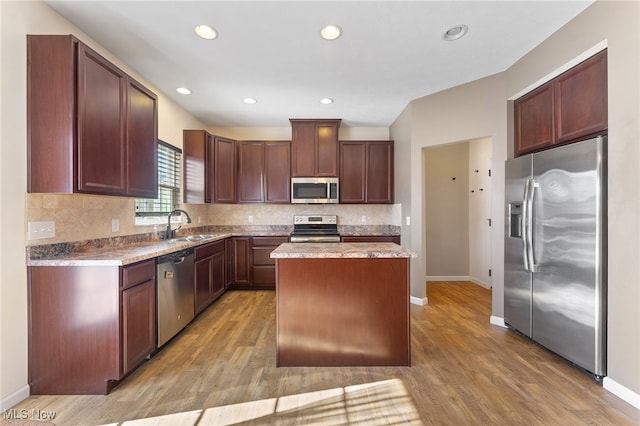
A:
<point x="80" y="217"/>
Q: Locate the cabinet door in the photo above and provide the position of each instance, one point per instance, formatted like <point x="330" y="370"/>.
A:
<point x="352" y="172"/>
<point x="379" y="172"/>
<point x="224" y="171"/>
<point x="303" y="149"/>
<point x="581" y="100"/>
<point x="277" y="172"/>
<point x="229" y="262"/>
<point x="202" y="283"/>
<point x="327" y="150"/>
<point x="138" y="324"/>
<point x="193" y="166"/>
<point x="101" y="125"/>
<point x="241" y="260"/>
<point x="534" y="120"/>
<point x="251" y="172"/>
<point x="142" y="141"/>
<point x="217" y="275"/>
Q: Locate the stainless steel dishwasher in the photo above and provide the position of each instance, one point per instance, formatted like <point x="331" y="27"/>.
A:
<point x="175" y="304"/>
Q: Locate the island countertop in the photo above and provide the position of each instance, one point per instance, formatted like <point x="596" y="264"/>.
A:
<point x="341" y="250"/>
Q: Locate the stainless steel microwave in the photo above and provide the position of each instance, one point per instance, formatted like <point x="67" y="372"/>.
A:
<point x="314" y="190"/>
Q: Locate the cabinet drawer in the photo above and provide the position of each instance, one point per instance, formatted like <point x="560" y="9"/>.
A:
<point x="269" y="241"/>
<point x="261" y="256"/>
<point x="264" y="275"/>
<point x="207" y="250"/>
<point x="138" y="273"/>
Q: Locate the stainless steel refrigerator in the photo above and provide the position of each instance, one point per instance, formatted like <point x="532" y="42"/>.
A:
<point x="555" y="284"/>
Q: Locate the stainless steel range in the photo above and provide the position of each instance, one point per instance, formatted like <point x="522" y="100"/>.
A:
<point x="319" y="228"/>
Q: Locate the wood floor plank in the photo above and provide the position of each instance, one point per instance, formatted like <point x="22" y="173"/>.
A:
<point x="465" y="371"/>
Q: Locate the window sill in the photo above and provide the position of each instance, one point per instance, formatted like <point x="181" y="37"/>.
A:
<point x="156" y="220"/>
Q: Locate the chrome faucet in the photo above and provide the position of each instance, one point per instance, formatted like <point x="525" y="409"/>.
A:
<point x="171" y="233"/>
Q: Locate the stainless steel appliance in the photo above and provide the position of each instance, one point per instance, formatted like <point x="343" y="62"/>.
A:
<point x="317" y="228"/>
<point x="314" y="190"/>
<point x="175" y="303"/>
<point x="555" y="251"/>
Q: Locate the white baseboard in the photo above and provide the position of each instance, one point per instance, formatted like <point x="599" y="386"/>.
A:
<point x="480" y="283"/>
<point x="16" y="397"/>
<point x="497" y="321"/>
<point x="418" y="301"/>
<point x="625" y="394"/>
<point x="448" y="278"/>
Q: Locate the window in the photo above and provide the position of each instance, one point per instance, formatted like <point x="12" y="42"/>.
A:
<point x="150" y="212"/>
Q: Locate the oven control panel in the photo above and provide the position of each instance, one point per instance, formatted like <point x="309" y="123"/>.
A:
<point x="319" y="219"/>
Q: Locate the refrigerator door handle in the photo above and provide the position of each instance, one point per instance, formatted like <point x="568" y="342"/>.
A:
<point x="524" y="226"/>
<point x="533" y="266"/>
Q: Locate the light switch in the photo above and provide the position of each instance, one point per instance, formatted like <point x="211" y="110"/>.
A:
<point x="408" y="221"/>
<point x="115" y="225"/>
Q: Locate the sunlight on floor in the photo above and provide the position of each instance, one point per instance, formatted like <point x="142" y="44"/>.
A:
<point x="377" y="403"/>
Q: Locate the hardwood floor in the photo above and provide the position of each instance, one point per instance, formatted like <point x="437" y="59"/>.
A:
<point x="221" y="370"/>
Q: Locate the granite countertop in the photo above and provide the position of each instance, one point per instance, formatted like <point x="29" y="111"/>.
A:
<point x="340" y="250"/>
<point x="126" y="254"/>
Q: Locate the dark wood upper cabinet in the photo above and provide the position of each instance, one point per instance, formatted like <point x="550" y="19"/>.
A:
<point x="264" y="171"/>
<point x="224" y="171"/>
<point x="534" y="120"/>
<point x="581" y="100"/>
<point x="194" y="162"/>
<point x="209" y="168"/>
<point x="314" y="147"/>
<point x="91" y="127"/>
<point x="366" y="172"/>
<point x="567" y="109"/>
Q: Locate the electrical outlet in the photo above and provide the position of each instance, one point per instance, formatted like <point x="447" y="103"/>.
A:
<point x="115" y="225"/>
<point x="250" y="219"/>
<point x="363" y="219"/>
<point x="199" y="220"/>
<point x="41" y="230"/>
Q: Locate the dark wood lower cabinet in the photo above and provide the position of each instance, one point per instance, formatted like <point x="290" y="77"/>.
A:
<point x="138" y="324"/>
<point x="252" y="266"/>
<point x="343" y="312"/>
<point x="88" y="325"/>
<point x="209" y="274"/>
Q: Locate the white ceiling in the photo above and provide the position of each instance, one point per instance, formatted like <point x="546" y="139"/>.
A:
<point x="390" y="52"/>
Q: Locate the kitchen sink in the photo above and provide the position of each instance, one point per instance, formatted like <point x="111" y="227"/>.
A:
<point x="193" y="238"/>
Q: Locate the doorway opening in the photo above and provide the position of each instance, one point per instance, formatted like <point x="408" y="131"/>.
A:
<point x="457" y="211"/>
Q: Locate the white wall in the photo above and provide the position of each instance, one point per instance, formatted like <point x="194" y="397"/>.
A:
<point x="470" y="111"/>
<point x="479" y="211"/>
<point x="446" y="211"/>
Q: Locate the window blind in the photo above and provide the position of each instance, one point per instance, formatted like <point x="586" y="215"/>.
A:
<point x="169" y="177"/>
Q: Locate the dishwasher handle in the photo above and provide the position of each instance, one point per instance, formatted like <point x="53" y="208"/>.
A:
<point x="176" y="257"/>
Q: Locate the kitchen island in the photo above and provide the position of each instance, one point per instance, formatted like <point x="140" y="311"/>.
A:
<point x="342" y="304"/>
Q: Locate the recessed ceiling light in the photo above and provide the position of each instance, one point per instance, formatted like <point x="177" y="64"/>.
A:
<point x="249" y="101"/>
<point x="330" y="32"/>
<point x="206" y="32"/>
<point x="326" y="101"/>
<point x="454" y="33"/>
<point x="183" y="91"/>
